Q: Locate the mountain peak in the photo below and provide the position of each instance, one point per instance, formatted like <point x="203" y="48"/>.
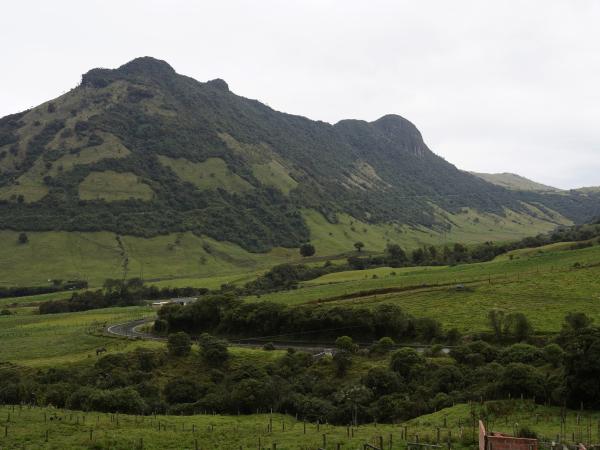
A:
<point x="393" y="123"/>
<point x="144" y="67"/>
<point x="218" y="83"/>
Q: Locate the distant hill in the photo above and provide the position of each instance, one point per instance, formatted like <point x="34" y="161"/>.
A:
<point x="589" y="190"/>
<point x="515" y="182"/>
<point x="143" y="151"/>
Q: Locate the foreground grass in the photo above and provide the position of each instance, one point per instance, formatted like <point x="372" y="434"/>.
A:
<point x="37" y="340"/>
<point x="50" y="428"/>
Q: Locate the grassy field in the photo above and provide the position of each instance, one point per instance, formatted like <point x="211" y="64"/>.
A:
<point x="545" y="284"/>
<point x="49" y="428"/>
<point x="113" y="186"/>
<point x="201" y="261"/>
<point x="467" y="227"/>
<point x="31" y="300"/>
<point x="98" y="256"/>
<point x="274" y="174"/>
<point x="210" y="174"/>
<point x="35" y="340"/>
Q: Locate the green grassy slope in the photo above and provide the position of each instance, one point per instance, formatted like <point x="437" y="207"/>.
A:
<point x="31" y="339"/>
<point x="514" y="181"/>
<point x="98" y="256"/>
<point x="204" y="262"/>
<point x="467" y="227"/>
<point x="112" y="186"/>
<point x="77" y="430"/>
<point x="545" y="285"/>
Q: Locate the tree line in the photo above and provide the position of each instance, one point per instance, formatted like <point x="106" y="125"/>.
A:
<point x="129" y="292"/>
<point x="355" y="385"/>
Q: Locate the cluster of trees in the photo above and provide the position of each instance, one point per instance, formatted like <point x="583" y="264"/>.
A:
<point x="57" y="286"/>
<point x="287" y="276"/>
<point x="396" y="256"/>
<point x="116" y="293"/>
<point x="230" y="316"/>
<point x="354" y="386"/>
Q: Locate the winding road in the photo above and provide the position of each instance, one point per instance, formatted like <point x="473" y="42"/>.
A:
<point x="131" y="330"/>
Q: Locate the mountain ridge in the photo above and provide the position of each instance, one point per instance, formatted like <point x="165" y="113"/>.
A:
<point x="515" y="181"/>
<point x="142" y="150"/>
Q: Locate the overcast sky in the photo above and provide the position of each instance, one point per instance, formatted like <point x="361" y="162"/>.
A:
<point x="493" y="86"/>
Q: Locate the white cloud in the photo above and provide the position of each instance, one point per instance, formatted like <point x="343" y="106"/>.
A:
<point x="493" y="86"/>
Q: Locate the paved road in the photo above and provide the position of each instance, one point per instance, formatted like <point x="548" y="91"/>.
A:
<point x="131" y="330"/>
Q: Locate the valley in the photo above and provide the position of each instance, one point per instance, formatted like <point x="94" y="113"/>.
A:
<point x="296" y="284"/>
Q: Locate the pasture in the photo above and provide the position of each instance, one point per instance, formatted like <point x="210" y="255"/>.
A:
<point x="454" y="427"/>
<point x="35" y="340"/>
<point x="544" y="284"/>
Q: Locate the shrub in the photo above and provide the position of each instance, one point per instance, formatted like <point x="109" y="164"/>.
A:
<point x="179" y="344"/>
<point x="214" y="350"/>
<point x="307" y="250"/>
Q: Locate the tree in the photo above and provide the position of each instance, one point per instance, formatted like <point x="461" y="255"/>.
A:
<point x="382" y="346"/>
<point x="161" y="326"/>
<point x="405" y="360"/>
<point x="553" y="354"/>
<point x="214" y="350"/>
<point x="521" y="353"/>
<point x="23" y="238"/>
<point x="179" y="344"/>
<point x="343" y="362"/>
<point x="359" y="246"/>
<point x="307" y="250"/>
<point x="577" y="320"/>
<point x="182" y="390"/>
<point x="381" y="381"/>
<point x="395" y="256"/>
<point x="582" y="367"/>
<point x="496" y="321"/>
<point x="517" y="326"/>
<point x="346" y="344"/>
<point x="418" y="256"/>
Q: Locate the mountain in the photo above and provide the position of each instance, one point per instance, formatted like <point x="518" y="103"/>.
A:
<point x="589" y="189"/>
<point x="143" y="151"/>
<point x="515" y="182"/>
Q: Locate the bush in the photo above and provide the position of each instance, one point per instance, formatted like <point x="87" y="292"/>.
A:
<point x="179" y="344"/>
<point x="182" y="390"/>
<point x="406" y="360"/>
<point x="382" y="346"/>
<point x="214" y="350"/>
<point x="553" y="354"/>
<point x="346" y="344"/>
<point x="525" y="432"/>
<point x="521" y="353"/>
<point x="307" y="250"/>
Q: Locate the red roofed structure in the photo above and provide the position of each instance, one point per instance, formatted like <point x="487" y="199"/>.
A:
<point x="500" y="441"/>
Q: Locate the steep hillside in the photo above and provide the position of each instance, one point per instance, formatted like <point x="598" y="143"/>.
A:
<point x="514" y="181"/>
<point x="144" y="151"/>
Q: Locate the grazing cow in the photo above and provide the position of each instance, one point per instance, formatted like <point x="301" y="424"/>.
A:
<point x="100" y="350"/>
